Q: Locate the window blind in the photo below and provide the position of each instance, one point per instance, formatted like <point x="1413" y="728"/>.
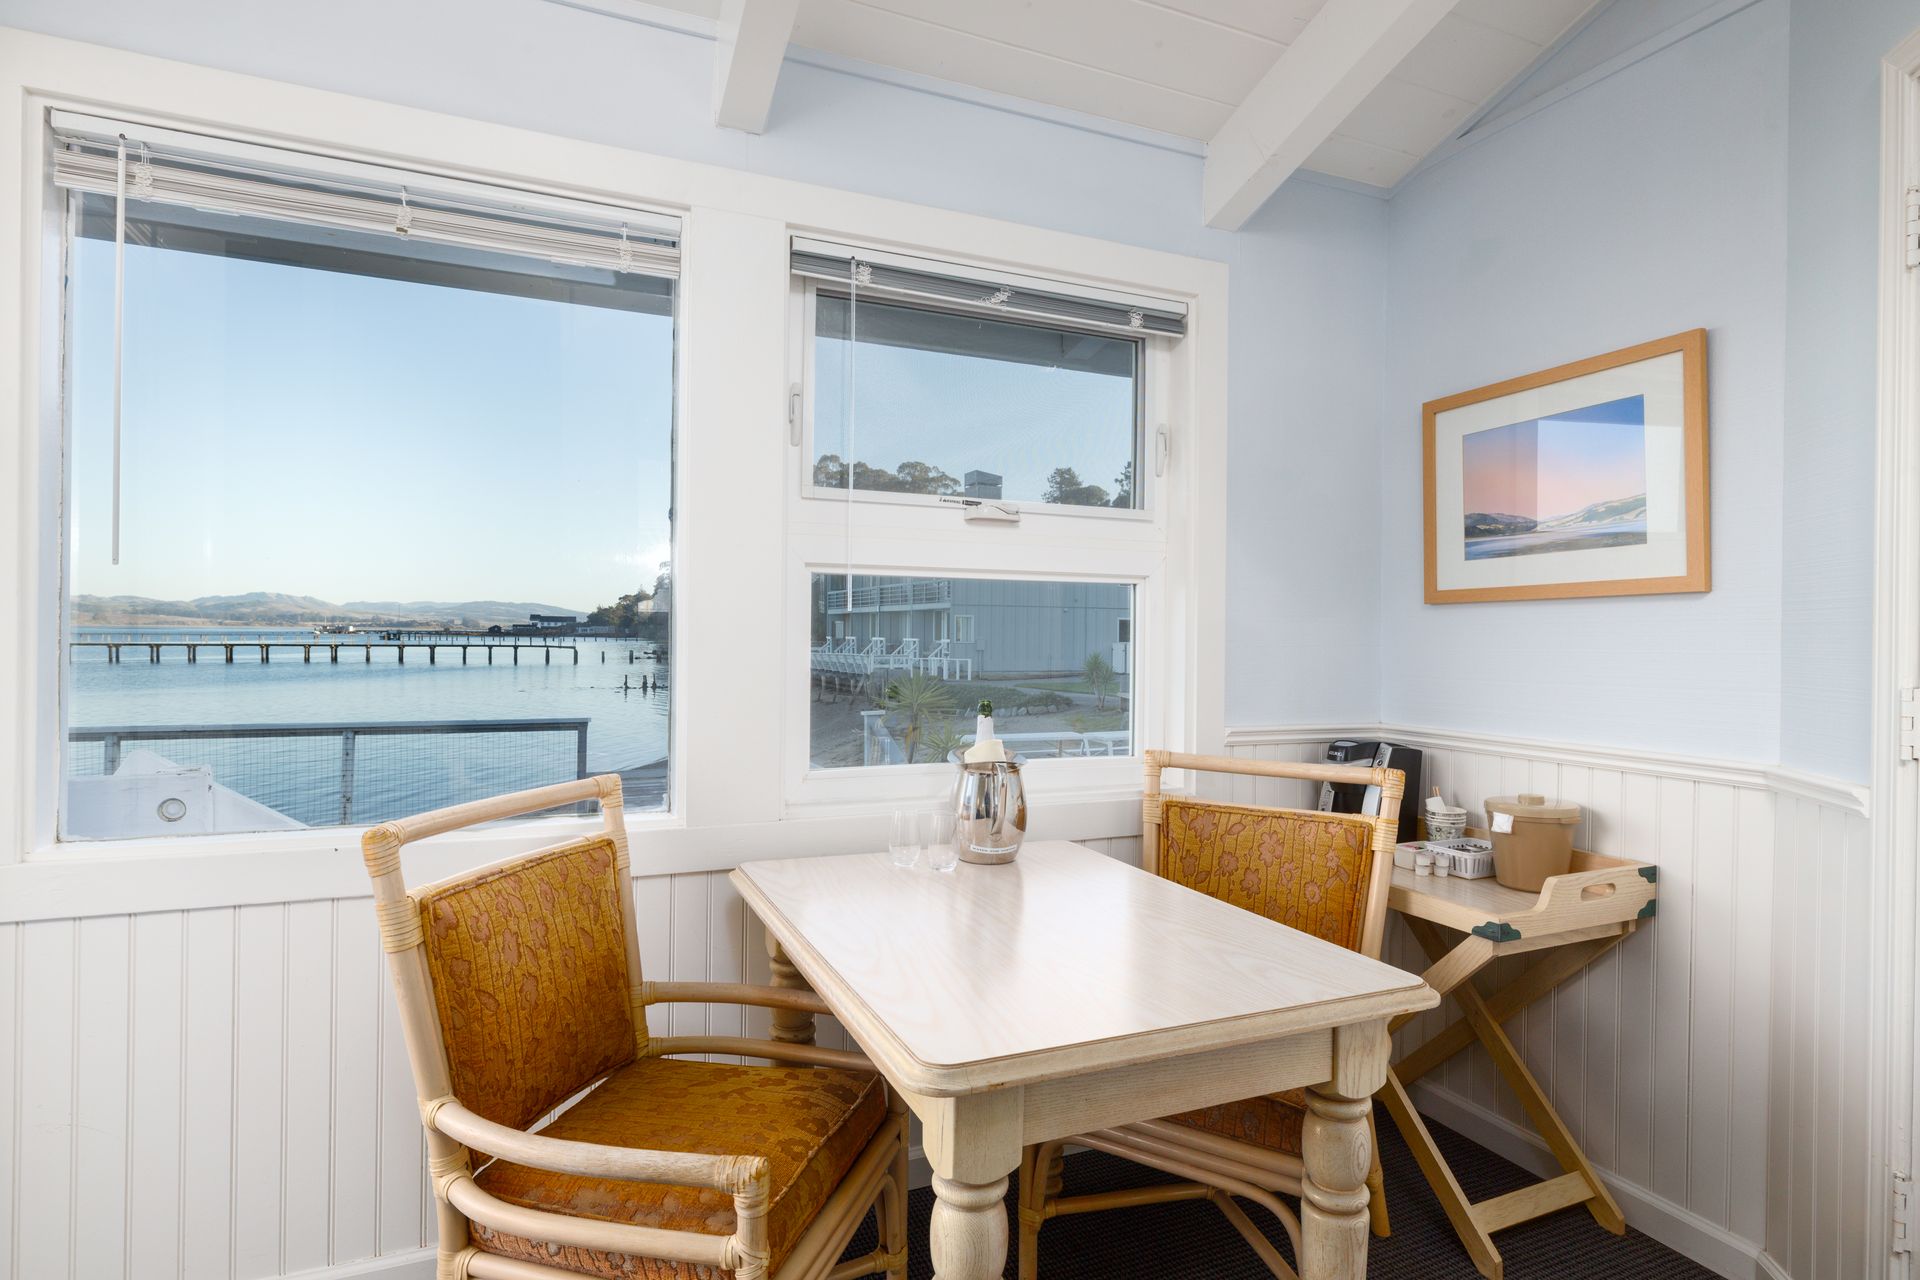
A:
<point x="994" y="293"/>
<point x="203" y="174"/>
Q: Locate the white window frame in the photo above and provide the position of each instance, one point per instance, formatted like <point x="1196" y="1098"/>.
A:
<point x="963" y="629"/>
<point x="909" y="535"/>
<point x="736" y="551"/>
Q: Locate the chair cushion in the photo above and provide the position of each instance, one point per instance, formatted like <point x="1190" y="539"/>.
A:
<point x="529" y="967"/>
<point x="1273" y="1122"/>
<point x="810" y="1124"/>
<point x="1308" y="871"/>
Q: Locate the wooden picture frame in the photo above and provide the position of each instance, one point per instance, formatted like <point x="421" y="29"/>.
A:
<point x="1597" y="550"/>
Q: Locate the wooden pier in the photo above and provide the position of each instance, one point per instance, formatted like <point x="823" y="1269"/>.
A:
<point x="263" y="649"/>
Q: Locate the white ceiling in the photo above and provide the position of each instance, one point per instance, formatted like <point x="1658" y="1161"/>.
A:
<point x="1181" y="67"/>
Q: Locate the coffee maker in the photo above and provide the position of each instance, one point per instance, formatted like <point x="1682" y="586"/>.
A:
<point x="1347" y="797"/>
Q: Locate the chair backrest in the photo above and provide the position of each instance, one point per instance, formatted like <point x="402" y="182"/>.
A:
<point x="519" y="980"/>
<point x="1327" y="874"/>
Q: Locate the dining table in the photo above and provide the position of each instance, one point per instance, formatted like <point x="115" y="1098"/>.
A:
<point x="1067" y="992"/>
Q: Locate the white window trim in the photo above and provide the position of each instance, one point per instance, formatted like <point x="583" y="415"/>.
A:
<point x="732" y="552"/>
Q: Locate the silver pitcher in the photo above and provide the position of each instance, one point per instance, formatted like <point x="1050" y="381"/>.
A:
<point x="989" y="810"/>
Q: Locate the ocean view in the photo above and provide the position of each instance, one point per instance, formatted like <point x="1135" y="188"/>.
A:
<point x="626" y="729"/>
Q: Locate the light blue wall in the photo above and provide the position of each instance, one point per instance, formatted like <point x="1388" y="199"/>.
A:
<point x="1832" y="339"/>
<point x="1650" y="203"/>
<point x="1306" y="285"/>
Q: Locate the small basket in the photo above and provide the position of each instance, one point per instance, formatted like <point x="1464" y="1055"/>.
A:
<point x="1471" y="859"/>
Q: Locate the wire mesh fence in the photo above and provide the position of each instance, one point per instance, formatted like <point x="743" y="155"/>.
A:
<point x="328" y="774"/>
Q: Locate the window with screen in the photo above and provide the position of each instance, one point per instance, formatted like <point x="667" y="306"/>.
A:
<point x="370" y="490"/>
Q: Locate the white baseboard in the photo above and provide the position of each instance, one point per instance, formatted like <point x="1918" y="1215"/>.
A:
<point x="1648" y="1212"/>
<point x="414" y="1264"/>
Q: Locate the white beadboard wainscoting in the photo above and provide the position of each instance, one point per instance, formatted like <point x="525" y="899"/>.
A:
<point x="1715" y="1065"/>
<point x="222" y="1092"/>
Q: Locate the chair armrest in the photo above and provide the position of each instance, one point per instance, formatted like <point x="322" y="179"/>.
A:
<point x="773" y="1050"/>
<point x="731" y="1174"/>
<point x="732" y="993"/>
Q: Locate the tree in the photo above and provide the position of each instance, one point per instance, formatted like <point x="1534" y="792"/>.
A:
<point x="1065" y="489"/>
<point x="830" y="472"/>
<point x="1099" y="673"/>
<point x="1124" y="483"/>
<point x="923" y="700"/>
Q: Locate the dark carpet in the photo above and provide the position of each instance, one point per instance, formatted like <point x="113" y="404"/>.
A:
<point x="1191" y="1241"/>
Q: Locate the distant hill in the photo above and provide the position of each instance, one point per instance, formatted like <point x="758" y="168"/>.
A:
<point x="1612" y="511"/>
<point x="272" y="608"/>
<point x="1492" y="524"/>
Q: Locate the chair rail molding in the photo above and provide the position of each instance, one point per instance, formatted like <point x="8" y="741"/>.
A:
<point x="1849" y="796"/>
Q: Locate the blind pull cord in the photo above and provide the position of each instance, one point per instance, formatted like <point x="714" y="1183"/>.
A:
<point x="852" y="388"/>
<point x="119" y="321"/>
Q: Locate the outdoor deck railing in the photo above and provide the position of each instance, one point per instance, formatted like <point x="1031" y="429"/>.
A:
<point x="113" y="739"/>
<point x="919" y="593"/>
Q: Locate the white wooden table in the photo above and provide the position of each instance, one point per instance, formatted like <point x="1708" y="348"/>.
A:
<point x="1067" y="992"/>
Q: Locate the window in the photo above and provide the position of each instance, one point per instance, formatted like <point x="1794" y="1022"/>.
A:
<point x="996" y="426"/>
<point x="932" y="385"/>
<point x="889" y="693"/>
<point x="384" y="520"/>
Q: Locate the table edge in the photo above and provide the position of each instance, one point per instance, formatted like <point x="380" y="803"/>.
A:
<point x="901" y="1065"/>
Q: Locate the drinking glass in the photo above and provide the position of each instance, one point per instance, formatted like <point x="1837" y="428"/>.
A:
<point x="904" y="847"/>
<point x="937" y="832"/>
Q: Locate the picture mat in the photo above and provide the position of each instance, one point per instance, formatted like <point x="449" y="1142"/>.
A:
<point x="1662" y="381"/>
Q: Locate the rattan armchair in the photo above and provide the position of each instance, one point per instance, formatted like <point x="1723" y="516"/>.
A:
<point x="1324" y="873"/>
<point x="521" y="999"/>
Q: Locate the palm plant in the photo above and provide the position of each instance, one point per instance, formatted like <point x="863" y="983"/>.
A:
<point x="922" y="700"/>
<point x="1100" y="679"/>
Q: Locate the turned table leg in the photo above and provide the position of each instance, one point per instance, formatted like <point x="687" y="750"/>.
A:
<point x="1337" y="1150"/>
<point x="787" y="1026"/>
<point x="973" y="1143"/>
<point x="968" y="1234"/>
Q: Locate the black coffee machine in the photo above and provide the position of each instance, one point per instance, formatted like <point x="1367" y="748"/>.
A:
<point x="1346" y="797"/>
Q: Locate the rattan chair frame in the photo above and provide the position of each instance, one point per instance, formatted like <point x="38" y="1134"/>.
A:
<point x="876" y="1181"/>
<point x="1215" y="1168"/>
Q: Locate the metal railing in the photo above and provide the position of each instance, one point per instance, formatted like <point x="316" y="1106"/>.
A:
<point x="919" y="593"/>
<point x="113" y="740"/>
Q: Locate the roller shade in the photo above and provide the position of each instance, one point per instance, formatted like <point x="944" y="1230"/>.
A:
<point x="204" y="174"/>
<point x="977" y="290"/>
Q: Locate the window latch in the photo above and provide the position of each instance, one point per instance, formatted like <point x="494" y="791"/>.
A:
<point x="793" y="415"/>
<point x="976" y="511"/>
<point x="1162" y="450"/>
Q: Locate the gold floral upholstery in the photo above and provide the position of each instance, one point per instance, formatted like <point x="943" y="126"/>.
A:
<point x="1309" y="871"/>
<point x="529" y="967"/>
<point x="810" y="1124"/>
<point x="1306" y="870"/>
<point x="1272" y="1122"/>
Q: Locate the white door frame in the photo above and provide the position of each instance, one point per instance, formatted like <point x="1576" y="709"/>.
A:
<point x="1894" y="1090"/>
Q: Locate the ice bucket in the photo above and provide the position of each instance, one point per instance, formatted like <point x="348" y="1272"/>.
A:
<point x="989" y="810"/>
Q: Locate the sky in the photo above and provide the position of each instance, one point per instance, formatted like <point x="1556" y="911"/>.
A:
<point x="351" y="438"/>
<point x="968" y="412"/>
<point x="1548" y="467"/>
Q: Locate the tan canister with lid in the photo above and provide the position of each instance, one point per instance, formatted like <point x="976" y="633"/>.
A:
<point x="1538" y="844"/>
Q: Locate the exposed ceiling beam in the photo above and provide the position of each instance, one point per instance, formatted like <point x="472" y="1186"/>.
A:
<point x="752" y="40"/>
<point x="1348" y="48"/>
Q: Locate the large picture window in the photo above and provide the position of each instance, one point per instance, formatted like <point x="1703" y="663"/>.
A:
<point x="361" y="522"/>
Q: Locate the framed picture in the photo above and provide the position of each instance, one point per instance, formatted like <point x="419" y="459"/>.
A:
<point x="1585" y="480"/>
